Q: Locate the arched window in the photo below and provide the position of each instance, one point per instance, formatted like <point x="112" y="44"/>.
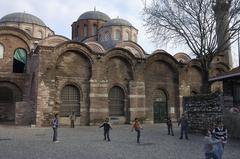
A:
<point x="117" y="35"/>
<point x="1" y="51"/>
<point x="116" y="101"/>
<point x="126" y="37"/>
<point x="94" y="29"/>
<point x="19" y="60"/>
<point x="70" y="101"/>
<point x="85" y="30"/>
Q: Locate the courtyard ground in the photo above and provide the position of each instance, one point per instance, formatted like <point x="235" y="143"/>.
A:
<point x="86" y="142"/>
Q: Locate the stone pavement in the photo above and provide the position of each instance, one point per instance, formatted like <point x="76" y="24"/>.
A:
<point x="87" y="143"/>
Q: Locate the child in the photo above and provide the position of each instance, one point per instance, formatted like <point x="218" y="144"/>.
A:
<point x="106" y="126"/>
<point x="136" y="125"/>
<point x="169" y="125"/>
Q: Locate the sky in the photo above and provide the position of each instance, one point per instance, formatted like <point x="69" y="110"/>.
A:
<point x="60" y="14"/>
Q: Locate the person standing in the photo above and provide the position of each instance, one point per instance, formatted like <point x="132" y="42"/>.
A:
<point x="211" y="148"/>
<point x="55" y="126"/>
<point x="169" y="126"/>
<point x="136" y="125"/>
<point x="220" y="133"/>
<point x="72" y="118"/>
<point x="184" y="126"/>
<point x="106" y="127"/>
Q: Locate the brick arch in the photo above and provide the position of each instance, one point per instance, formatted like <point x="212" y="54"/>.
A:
<point x="10" y="93"/>
<point x="80" y="48"/>
<point x="67" y="62"/>
<point x="139" y="52"/>
<point x="118" y="69"/>
<point x="123" y="55"/>
<point x="18" y="33"/>
<point x="164" y="57"/>
<point x="161" y="72"/>
<point x="17" y="92"/>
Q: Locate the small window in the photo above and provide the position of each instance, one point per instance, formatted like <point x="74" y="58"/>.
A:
<point x="94" y="29"/>
<point x="126" y="36"/>
<point x="19" y="60"/>
<point x="85" y="30"/>
<point x="117" y="35"/>
<point x="1" y="51"/>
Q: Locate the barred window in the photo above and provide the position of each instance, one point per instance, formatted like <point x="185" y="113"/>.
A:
<point x="70" y="101"/>
<point x="116" y="101"/>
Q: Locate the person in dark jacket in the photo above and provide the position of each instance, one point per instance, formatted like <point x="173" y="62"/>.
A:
<point x="106" y="127"/>
<point x="55" y="126"/>
<point x="169" y="126"/>
<point x="184" y="126"/>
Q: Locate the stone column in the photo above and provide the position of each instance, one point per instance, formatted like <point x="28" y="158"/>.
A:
<point x="98" y="110"/>
<point x="137" y="100"/>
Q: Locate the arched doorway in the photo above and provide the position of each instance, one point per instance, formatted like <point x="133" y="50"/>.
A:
<point x="70" y="101"/>
<point x="160" y="108"/>
<point x="7" y="105"/>
<point x="116" y="101"/>
<point x="19" y="60"/>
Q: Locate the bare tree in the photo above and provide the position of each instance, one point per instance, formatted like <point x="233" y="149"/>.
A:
<point x="207" y="27"/>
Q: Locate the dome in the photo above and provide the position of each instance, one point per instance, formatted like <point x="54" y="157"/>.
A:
<point x="22" y="17"/>
<point x="94" y="15"/>
<point x="118" y="22"/>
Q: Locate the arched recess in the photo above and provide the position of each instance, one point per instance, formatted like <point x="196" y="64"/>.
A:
<point x="19" y="60"/>
<point x="116" y="98"/>
<point x="161" y="74"/>
<point x="73" y="64"/>
<point x="70" y="101"/>
<point x="118" y="70"/>
<point x="9" y="95"/>
<point x="160" y="106"/>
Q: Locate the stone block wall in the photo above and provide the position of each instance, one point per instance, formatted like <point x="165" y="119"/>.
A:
<point x="203" y="111"/>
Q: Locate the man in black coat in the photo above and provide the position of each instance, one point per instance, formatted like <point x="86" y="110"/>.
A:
<point x="106" y="127"/>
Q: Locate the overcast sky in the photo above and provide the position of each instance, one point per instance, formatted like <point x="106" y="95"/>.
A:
<point x="60" y="14"/>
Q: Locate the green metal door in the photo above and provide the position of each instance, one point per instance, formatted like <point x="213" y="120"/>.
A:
<point x="160" y="112"/>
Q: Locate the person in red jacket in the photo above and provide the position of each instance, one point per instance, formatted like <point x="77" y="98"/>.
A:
<point x="136" y="125"/>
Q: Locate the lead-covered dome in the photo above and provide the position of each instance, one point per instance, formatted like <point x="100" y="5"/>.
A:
<point x="118" y="22"/>
<point x="96" y="15"/>
<point x="22" y="17"/>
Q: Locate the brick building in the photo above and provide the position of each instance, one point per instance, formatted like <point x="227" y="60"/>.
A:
<point x="101" y="72"/>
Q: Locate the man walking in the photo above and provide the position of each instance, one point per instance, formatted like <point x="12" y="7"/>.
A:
<point x="184" y="126"/>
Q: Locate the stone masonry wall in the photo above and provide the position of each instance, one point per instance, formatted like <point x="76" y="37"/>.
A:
<point x="203" y="111"/>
